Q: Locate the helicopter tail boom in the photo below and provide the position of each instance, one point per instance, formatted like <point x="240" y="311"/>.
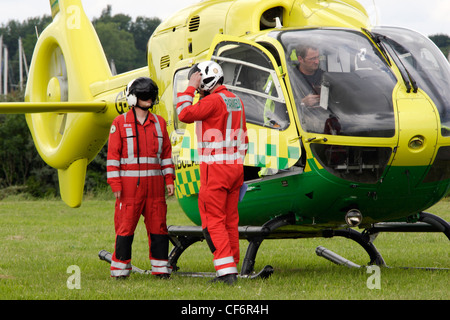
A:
<point x="59" y="107"/>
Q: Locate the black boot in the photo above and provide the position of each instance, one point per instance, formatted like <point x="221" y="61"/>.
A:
<point x="229" y="279"/>
<point x="163" y="276"/>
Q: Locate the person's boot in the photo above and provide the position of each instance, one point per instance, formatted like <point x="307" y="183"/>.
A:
<point x="229" y="279"/>
<point x="163" y="276"/>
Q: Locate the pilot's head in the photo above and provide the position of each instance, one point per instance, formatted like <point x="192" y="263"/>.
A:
<point x="309" y="58"/>
<point x="142" y="92"/>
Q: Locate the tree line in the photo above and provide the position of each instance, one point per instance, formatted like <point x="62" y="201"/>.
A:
<point x="21" y="167"/>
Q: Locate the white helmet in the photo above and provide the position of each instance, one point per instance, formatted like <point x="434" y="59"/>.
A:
<point x="211" y="72"/>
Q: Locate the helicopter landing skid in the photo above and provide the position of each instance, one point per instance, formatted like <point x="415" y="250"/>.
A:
<point x="265" y="273"/>
<point x="184" y="236"/>
<point x="426" y="222"/>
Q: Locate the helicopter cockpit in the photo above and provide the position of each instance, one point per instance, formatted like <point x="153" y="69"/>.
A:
<point x="355" y="86"/>
<point x="355" y="91"/>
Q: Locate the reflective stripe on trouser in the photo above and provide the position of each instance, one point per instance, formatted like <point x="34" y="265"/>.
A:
<point x="225" y="266"/>
<point x="160" y="266"/>
<point x="218" y="206"/>
<point x="119" y="269"/>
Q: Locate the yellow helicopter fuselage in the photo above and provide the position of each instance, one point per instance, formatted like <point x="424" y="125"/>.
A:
<point x="389" y="159"/>
<point x="378" y="143"/>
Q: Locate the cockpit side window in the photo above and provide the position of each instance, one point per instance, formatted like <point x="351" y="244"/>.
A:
<point x="341" y="83"/>
<point x="426" y="64"/>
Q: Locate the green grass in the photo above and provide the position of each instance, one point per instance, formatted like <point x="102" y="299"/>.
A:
<point x="39" y="240"/>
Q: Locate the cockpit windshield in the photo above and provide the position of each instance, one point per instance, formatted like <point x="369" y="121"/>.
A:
<point x="426" y="65"/>
<point x="342" y="85"/>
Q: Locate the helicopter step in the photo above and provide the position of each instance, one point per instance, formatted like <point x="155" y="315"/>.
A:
<point x="335" y="258"/>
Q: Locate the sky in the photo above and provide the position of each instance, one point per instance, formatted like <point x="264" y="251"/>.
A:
<point x="428" y="17"/>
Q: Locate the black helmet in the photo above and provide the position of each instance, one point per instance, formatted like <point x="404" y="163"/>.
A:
<point x="143" y="88"/>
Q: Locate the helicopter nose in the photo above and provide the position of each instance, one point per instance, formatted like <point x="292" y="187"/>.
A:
<point x="417" y="134"/>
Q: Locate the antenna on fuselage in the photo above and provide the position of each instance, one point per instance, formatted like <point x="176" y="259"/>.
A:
<point x="278" y="23"/>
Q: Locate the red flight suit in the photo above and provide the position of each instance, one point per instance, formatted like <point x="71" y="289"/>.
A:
<point x="141" y="182"/>
<point x="222" y="144"/>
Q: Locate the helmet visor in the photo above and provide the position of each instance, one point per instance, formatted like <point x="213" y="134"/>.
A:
<point x="144" y="96"/>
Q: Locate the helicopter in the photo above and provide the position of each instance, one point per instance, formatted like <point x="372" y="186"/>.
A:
<point x="374" y="153"/>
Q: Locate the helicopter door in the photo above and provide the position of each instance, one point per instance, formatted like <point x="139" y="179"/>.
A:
<point x="183" y="137"/>
<point x="251" y="72"/>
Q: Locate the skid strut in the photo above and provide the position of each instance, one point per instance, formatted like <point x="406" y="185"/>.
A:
<point x="427" y="222"/>
<point x="184" y="236"/>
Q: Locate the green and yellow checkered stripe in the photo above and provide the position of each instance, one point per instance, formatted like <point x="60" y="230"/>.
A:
<point x="188" y="150"/>
<point x="267" y="149"/>
<point x="271" y="156"/>
<point x="187" y="181"/>
<point x="275" y="152"/>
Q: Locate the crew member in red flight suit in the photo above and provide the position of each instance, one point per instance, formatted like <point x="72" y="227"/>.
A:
<point x="222" y="145"/>
<point x="139" y="164"/>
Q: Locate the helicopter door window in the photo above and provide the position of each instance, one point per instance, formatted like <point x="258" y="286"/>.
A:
<point x="341" y="83"/>
<point x="180" y="83"/>
<point x="249" y="73"/>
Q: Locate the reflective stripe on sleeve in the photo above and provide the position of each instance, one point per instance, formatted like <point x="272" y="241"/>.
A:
<point x="140" y="173"/>
<point x="168" y="171"/>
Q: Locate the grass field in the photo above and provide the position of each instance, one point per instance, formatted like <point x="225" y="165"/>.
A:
<point x="40" y="240"/>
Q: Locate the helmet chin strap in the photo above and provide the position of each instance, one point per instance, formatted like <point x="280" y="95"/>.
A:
<point x="144" y="108"/>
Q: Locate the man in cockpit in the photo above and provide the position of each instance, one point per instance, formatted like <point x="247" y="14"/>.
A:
<point x="308" y="58"/>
